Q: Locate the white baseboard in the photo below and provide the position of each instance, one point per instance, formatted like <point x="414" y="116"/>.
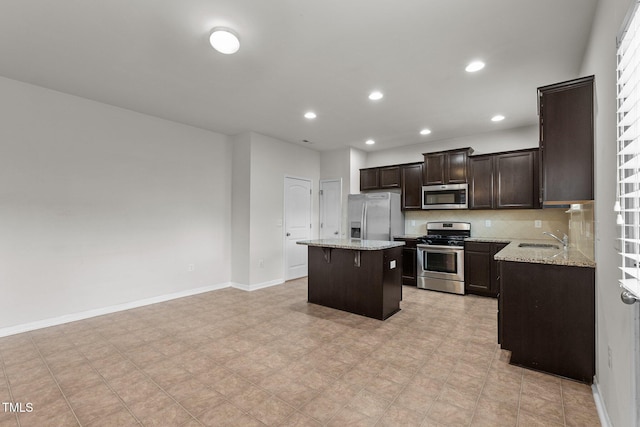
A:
<point x="600" y="407"/>
<point x="54" y="321"/>
<point x="257" y="286"/>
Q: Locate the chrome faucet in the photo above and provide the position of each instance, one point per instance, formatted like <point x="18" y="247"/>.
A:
<point x="564" y="240"/>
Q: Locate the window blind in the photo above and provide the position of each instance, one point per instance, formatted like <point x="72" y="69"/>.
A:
<point x="628" y="158"/>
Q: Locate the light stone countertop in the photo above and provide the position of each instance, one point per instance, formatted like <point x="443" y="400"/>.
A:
<point x="512" y="252"/>
<point x="354" y="244"/>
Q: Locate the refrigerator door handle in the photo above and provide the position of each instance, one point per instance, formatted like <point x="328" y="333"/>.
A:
<point x="364" y="221"/>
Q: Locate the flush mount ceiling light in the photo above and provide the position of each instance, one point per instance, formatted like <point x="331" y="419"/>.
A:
<point x="497" y="118"/>
<point x="425" y="132"/>
<point x="370" y="142"/>
<point x="474" y="66"/>
<point x="224" y="40"/>
<point x="310" y="115"/>
<point x="375" y="95"/>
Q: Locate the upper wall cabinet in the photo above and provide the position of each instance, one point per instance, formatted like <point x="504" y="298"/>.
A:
<point x="380" y="178"/>
<point x="411" y="175"/>
<point x="506" y="180"/>
<point x="566" y="141"/>
<point x="446" y="167"/>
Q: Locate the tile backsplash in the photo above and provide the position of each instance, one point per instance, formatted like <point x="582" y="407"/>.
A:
<point x="577" y="222"/>
<point x="517" y="224"/>
<point x="581" y="227"/>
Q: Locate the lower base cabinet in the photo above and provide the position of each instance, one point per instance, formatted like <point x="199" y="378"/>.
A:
<point x="546" y="318"/>
<point x="480" y="269"/>
<point x="409" y="260"/>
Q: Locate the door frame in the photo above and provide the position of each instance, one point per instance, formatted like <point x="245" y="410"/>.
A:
<point x="284" y="219"/>
<point x="320" y="205"/>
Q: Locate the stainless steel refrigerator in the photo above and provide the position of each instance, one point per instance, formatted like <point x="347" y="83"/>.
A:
<point x="375" y="216"/>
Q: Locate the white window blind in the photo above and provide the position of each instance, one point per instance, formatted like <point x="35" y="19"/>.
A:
<point x="628" y="185"/>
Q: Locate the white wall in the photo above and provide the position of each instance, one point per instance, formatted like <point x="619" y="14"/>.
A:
<point x="491" y="142"/>
<point x="271" y="161"/>
<point x="336" y="164"/>
<point x="241" y="201"/>
<point x="615" y="321"/>
<point x="357" y="160"/>
<point x="102" y="206"/>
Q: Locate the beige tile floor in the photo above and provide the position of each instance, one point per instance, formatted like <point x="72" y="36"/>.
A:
<point x="235" y="358"/>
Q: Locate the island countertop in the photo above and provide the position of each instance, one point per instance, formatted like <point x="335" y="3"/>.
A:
<point x="354" y="244"/>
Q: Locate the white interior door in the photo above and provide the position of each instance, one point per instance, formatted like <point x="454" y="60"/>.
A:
<point x="330" y="209"/>
<point x="297" y="225"/>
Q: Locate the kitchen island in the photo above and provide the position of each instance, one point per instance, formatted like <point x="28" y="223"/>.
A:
<point x="359" y="276"/>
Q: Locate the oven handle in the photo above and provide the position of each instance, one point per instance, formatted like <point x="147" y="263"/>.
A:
<point x="440" y="248"/>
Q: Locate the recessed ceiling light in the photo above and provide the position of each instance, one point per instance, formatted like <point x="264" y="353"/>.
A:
<point x="425" y="132"/>
<point x="375" y="95"/>
<point x="497" y="118"/>
<point x="310" y="115"/>
<point x="224" y="40"/>
<point x="370" y="142"/>
<point x="474" y="66"/>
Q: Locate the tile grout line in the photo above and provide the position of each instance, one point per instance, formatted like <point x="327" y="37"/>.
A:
<point x="4" y="372"/>
<point x="64" y="396"/>
<point x="484" y="382"/>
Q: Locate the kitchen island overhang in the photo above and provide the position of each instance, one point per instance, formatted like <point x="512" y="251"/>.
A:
<point x="359" y="276"/>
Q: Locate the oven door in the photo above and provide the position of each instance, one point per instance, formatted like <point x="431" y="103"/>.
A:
<point x="441" y="262"/>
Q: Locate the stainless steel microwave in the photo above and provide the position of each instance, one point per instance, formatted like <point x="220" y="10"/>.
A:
<point x="447" y="196"/>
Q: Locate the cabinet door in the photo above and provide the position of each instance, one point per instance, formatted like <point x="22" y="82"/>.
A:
<point x="434" y="166"/>
<point x="495" y="271"/>
<point x="411" y="186"/>
<point x="369" y="179"/>
<point x="390" y="177"/>
<point x="481" y="182"/>
<point x="515" y="180"/>
<point x="477" y="268"/>
<point x="409" y="262"/>
<point x="456" y="172"/>
<point x="566" y="140"/>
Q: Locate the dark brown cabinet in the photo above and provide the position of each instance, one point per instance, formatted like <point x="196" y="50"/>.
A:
<point x="566" y="141"/>
<point x="411" y="184"/>
<point x="369" y="179"/>
<point x="547" y="317"/>
<point x="409" y="260"/>
<point x="446" y="167"/>
<point x="507" y="180"/>
<point x="390" y="177"/>
<point x="366" y="282"/>
<point x="480" y="269"/>
<point x="380" y="178"/>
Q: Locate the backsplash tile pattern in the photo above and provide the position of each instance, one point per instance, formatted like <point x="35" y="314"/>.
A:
<point x="581" y="228"/>
<point x="577" y="222"/>
<point x="517" y="224"/>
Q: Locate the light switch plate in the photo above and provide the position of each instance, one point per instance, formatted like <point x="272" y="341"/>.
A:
<point x="392" y="264"/>
<point x="487" y="223"/>
<point x="537" y="223"/>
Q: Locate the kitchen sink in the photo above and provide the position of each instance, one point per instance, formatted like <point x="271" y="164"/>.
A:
<point x="538" y="245"/>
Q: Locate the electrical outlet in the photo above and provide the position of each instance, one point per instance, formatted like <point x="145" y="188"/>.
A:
<point x="610" y="358"/>
<point x="191" y="267"/>
<point x="487" y="223"/>
<point x="537" y="223"/>
<point x="413" y="222"/>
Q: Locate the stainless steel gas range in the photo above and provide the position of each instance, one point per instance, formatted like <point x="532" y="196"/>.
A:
<point x="441" y="256"/>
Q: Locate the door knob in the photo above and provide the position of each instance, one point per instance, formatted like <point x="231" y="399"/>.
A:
<point x="335" y="232"/>
<point x="288" y="234"/>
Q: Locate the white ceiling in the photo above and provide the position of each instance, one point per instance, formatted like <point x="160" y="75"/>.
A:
<point x="153" y="56"/>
